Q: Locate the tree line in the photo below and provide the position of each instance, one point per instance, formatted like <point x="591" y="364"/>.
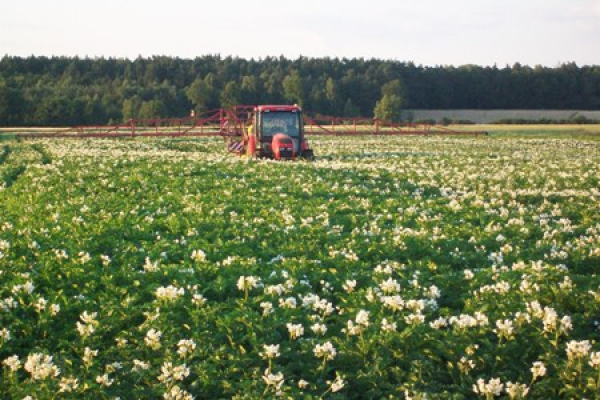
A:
<point x="59" y="91"/>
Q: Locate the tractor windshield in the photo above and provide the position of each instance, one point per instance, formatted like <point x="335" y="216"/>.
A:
<point x="281" y="122"/>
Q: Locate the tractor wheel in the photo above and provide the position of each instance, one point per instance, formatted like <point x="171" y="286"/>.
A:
<point x="308" y="155"/>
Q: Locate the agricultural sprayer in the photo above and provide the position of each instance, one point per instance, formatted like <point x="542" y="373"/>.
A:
<point x="263" y="131"/>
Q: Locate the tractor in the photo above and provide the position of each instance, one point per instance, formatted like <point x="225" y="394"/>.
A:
<point x="276" y="132"/>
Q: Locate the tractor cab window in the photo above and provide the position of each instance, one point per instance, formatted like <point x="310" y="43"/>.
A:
<point x="281" y="122"/>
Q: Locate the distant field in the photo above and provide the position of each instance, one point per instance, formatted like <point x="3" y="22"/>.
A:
<point x="29" y="129"/>
<point x="493" y="116"/>
<point x="571" y="131"/>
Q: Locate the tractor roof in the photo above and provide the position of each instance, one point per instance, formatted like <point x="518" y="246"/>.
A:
<point x="270" y="108"/>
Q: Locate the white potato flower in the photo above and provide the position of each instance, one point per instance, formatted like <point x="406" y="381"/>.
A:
<point x="198" y="256"/>
<point x="349" y="286"/>
<point x="152" y="339"/>
<point x="270" y="351"/>
<point x="516" y="390"/>
<point x="295" y="330"/>
<point x="13" y="363"/>
<point x="538" y="370"/>
<point x="275" y="380"/>
<point x="325" y="351"/>
<point x="41" y="366"/>
<point x="319" y="329"/>
<point x="493" y="387"/>
<point x="338" y="384"/>
<point x="68" y="384"/>
<point x="186" y="347"/>
<point x="578" y="349"/>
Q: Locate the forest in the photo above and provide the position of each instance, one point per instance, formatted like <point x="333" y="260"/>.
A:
<point x="60" y="91"/>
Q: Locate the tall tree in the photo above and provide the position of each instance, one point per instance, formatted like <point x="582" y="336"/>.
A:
<point x="333" y="96"/>
<point x="249" y="90"/>
<point x="12" y="105"/>
<point x="350" y="110"/>
<point x="230" y="95"/>
<point x="293" y="88"/>
<point x="199" y="93"/>
<point x="131" y="108"/>
<point x="152" y="109"/>
<point x="389" y="106"/>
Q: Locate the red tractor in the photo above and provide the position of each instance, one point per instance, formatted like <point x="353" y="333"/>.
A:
<point x="276" y="132"/>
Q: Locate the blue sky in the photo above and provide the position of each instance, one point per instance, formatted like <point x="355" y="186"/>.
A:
<point x="427" y="32"/>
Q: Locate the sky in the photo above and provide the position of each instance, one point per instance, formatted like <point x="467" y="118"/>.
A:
<point x="426" y="32"/>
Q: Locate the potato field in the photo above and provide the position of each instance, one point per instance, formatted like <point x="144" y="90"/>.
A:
<point x="388" y="268"/>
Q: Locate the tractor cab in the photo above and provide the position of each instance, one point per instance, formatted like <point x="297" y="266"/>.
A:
<point x="278" y="132"/>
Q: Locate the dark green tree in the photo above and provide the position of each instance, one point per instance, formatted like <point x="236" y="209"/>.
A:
<point x="350" y="110"/>
<point x="249" y="90"/>
<point x="200" y="94"/>
<point x="293" y="88"/>
<point x="12" y="105"/>
<point x="333" y="96"/>
<point x="131" y="108"/>
<point x="230" y="95"/>
<point x="152" y="109"/>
